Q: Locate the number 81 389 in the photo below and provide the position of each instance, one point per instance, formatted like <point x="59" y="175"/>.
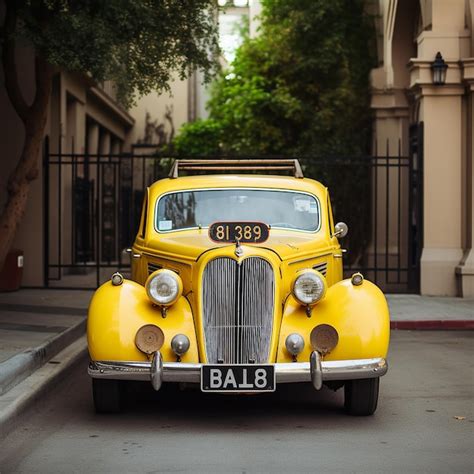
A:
<point x="244" y="232"/>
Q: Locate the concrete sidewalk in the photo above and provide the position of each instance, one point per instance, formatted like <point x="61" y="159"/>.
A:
<point x="34" y="326"/>
<point x="430" y="312"/>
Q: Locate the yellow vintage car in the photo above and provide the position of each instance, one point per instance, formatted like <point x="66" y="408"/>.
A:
<point x="237" y="286"/>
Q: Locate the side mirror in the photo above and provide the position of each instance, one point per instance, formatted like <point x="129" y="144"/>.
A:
<point x="341" y="230"/>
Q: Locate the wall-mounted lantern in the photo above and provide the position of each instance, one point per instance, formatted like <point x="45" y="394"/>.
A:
<point x="438" y="68"/>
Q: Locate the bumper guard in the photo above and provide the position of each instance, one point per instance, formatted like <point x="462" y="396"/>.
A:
<point x="316" y="370"/>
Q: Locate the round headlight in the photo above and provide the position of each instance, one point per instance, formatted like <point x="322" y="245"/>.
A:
<point x="164" y="287"/>
<point x="309" y="287"/>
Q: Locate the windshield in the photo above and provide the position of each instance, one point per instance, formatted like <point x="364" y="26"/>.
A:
<point x="283" y="209"/>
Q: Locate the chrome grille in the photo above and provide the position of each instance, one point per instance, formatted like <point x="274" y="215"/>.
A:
<point x="321" y="267"/>
<point x="238" y="305"/>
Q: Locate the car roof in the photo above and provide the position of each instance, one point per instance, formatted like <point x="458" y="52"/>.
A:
<point x="236" y="181"/>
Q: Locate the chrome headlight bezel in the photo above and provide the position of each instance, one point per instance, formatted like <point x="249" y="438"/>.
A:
<point x="309" y="277"/>
<point x="169" y="279"/>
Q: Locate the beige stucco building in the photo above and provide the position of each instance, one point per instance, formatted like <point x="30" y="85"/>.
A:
<point x="410" y="34"/>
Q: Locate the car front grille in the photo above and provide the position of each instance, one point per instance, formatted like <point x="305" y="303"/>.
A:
<point x="238" y="301"/>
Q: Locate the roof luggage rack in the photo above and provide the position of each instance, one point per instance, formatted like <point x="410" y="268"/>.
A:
<point x="236" y="165"/>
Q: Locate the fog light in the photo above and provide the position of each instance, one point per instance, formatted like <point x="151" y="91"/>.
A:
<point x="117" y="279"/>
<point x="180" y="344"/>
<point x="149" y="338"/>
<point x="294" y="344"/>
<point x="357" y="279"/>
<point x="324" y="338"/>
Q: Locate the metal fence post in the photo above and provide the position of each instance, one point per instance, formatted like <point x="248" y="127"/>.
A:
<point x="46" y="211"/>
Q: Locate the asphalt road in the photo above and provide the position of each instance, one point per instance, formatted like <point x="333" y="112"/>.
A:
<point x="430" y="382"/>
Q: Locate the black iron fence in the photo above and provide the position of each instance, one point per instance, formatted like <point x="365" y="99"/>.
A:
<point x="93" y="204"/>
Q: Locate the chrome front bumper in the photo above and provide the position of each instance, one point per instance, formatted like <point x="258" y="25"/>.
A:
<point x="315" y="371"/>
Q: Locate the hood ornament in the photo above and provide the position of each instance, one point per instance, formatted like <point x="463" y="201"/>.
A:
<point x="239" y="251"/>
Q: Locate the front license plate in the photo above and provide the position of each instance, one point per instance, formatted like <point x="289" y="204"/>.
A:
<point x="238" y="378"/>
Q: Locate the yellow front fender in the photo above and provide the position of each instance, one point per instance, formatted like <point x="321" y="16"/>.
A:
<point x="116" y="313"/>
<point x="358" y="313"/>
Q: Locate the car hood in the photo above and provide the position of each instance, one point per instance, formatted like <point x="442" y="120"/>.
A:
<point x="288" y="245"/>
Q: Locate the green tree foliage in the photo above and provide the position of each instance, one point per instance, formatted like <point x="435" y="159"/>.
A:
<point x="199" y="138"/>
<point x="300" y="88"/>
<point x="138" y="44"/>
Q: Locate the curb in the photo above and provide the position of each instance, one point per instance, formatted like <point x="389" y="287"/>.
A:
<point x="17" y="402"/>
<point x="15" y="369"/>
<point x="440" y="325"/>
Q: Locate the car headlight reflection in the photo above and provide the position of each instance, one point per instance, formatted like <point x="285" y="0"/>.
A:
<point x="164" y="287"/>
<point x="309" y="287"/>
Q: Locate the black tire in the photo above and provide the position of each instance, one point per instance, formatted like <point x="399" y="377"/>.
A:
<point x="107" y="395"/>
<point x="361" y="396"/>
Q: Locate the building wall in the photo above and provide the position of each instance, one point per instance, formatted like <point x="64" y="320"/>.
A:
<point x="159" y="117"/>
<point x="255" y="10"/>
<point x="75" y="102"/>
<point x="410" y="34"/>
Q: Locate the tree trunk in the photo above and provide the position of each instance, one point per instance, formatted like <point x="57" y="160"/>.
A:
<point x="34" y="120"/>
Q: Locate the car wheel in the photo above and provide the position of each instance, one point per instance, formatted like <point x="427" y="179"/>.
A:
<point x="107" y="395"/>
<point x="361" y="396"/>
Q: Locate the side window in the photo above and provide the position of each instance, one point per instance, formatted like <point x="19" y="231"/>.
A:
<point x="330" y="218"/>
<point x="144" y="216"/>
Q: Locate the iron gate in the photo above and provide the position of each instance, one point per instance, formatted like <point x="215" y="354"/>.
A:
<point x="92" y="206"/>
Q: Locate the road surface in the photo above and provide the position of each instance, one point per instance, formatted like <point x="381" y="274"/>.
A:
<point x="415" y="429"/>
